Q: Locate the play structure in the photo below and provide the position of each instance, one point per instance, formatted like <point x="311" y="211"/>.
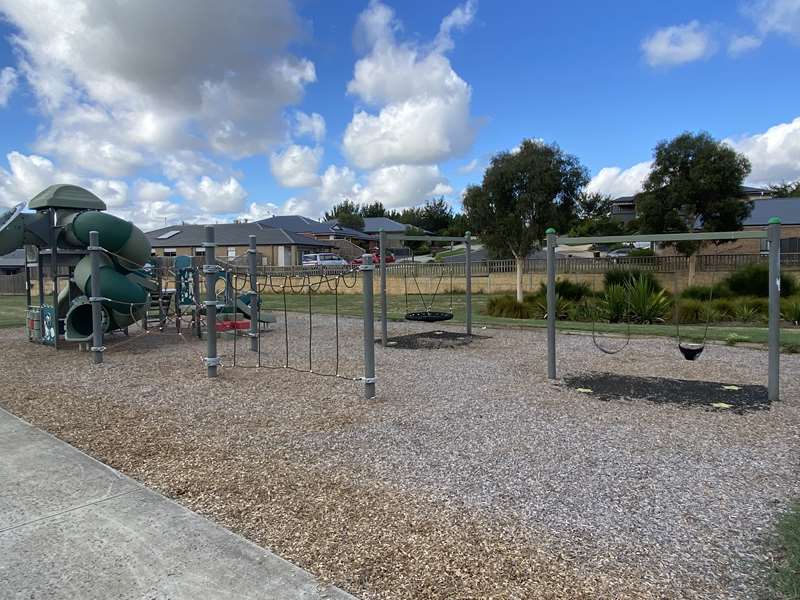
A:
<point x="689" y="351"/>
<point x="425" y="312"/>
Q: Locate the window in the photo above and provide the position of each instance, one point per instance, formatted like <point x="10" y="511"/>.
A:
<point x="170" y="252"/>
<point x="199" y="251"/>
<point x="231" y="252"/>
<point x="168" y="234"/>
<point x="788" y="246"/>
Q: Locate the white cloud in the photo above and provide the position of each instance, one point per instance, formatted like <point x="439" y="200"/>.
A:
<point x="776" y="16"/>
<point x="112" y="191"/>
<point x="312" y="125"/>
<point x="615" y="181"/>
<point x="774" y="154"/>
<point x="400" y="186"/>
<point x="256" y="211"/>
<point x="423" y="104"/>
<point x="214" y="197"/>
<point x="740" y="44"/>
<point x="8" y="83"/>
<point x="469" y="167"/>
<point x="678" y="44"/>
<point x="123" y="84"/>
<point x="296" y="166"/>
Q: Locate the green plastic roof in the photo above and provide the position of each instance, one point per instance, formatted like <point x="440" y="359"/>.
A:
<point x="64" y="195"/>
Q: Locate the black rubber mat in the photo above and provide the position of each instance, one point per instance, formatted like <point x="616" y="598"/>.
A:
<point x="431" y="340"/>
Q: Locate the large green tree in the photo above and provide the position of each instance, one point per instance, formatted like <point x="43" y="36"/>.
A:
<point x="593" y="216"/>
<point x="347" y="214"/>
<point x="521" y="195"/>
<point x="694" y="184"/>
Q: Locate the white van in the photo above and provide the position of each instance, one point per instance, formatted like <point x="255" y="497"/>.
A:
<point x="324" y="259"/>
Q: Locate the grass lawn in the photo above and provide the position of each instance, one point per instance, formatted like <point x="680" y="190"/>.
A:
<point x="787" y="575"/>
<point x="12" y="314"/>
<point x="12" y="311"/>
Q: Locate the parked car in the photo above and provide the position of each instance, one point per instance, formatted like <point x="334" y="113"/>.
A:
<point x="323" y="259"/>
<point x="619" y="253"/>
<point x="376" y="258"/>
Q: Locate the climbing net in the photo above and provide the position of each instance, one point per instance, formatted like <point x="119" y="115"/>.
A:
<point x="293" y="284"/>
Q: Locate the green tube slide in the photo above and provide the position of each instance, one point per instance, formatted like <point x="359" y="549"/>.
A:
<point x="122" y="284"/>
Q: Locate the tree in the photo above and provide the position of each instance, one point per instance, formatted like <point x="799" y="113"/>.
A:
<point x="786" y="190"/>
<point x="593" y="216"/>
<point x="521" y="195"/>
<point x="346" y="214"/>
<point x="375" y="209"/>
<point x="436" y="216"/>
<point x="694" y="184"/>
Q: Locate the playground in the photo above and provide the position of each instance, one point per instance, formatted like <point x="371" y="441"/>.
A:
<point x="472" y="474"/>
<point x="403" y="446"/>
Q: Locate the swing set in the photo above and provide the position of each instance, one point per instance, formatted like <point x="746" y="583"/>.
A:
<point x="427" y="314"/>
<point x="690" y="351"/>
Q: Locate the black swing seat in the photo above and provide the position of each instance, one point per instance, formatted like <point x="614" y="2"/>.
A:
<point x="691" y="351"/>
<point x="429" y="316"/>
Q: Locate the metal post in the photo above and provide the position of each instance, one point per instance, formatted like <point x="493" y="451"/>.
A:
<point x="255" y="300"/>
<point x="367" y="269"/>
<point x="774" y="238"/>
<point x="384" y="310"/>
<point x="468" y="277"/>
<point x="54" y="268"/>
<point x="97" y="316"/>
<point x="551" y="303"/>
<point x="210" y="269"/>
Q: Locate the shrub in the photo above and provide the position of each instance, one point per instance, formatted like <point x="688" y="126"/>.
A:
<point x="646" y="304"/>
<point x="724" y="308"/>
<point x="704" y="292"/>
<point x="734" y="338"/>
<point x="790" y="309"/>
<point x="642" y="252"/>
<point x="509" y="308"/>
<point x="570" y="290"/>
<point x="614" y="303"/>
<point x="746" y="312"/>
<point x="563" y="308"/>
<point x="691" y="311"/>
<point x="583" y="311"/>
<point x="625" y="276"/>
<point x="753" y="280"/>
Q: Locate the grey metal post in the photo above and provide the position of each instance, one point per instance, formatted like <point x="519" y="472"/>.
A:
<point x="95" y="299"/>
<point x="384" y="309"/>
<point x="468" y="277"/>
<point x="774" y="238"/>
<point x="210" y="269"/>
<point x="255" y="301"/>
<point x="367" y="269"/>
<point x="551" y="303"/>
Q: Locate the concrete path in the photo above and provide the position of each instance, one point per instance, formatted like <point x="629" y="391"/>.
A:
<point x="71" y="527"/>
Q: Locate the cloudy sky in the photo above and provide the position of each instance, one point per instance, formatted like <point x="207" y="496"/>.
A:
<point x="204" y="110"/>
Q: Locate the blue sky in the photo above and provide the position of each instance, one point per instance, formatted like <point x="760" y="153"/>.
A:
<point x="200" y="114"/>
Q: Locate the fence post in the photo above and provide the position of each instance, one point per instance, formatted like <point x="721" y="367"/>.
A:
<point x="774" y="237"/>
<point x="210" y="269"/>
<point x="384" y="309"/>
<point x="95" y="299"/>
<point x="468" y="277"/>
<point x="255" y="299"/>
<point x="551" y="303"/>
<point x="367" y="269"/>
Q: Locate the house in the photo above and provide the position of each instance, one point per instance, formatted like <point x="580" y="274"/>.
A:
<point x="623" y="209"/>
<point x="13" y="262"/>
<point x="277" y="246"/>
<point x="348" y="243"/>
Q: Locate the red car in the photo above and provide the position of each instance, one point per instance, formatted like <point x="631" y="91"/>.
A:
<point x="376" y="259"/>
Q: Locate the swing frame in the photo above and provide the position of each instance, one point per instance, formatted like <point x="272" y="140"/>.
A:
<point x="772" y="233"/>
<point x="427" y="316"/>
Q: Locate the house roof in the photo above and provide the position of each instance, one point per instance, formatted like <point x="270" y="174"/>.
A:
<point x="300" y="224"/>
<point x="624" y="200"/>
<point x="786" y="209"/>
<point x="754" y="191"/>
<point x="13" y="259"/>
<point x="229" y="234"/>
<point x="375" y="224"/>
